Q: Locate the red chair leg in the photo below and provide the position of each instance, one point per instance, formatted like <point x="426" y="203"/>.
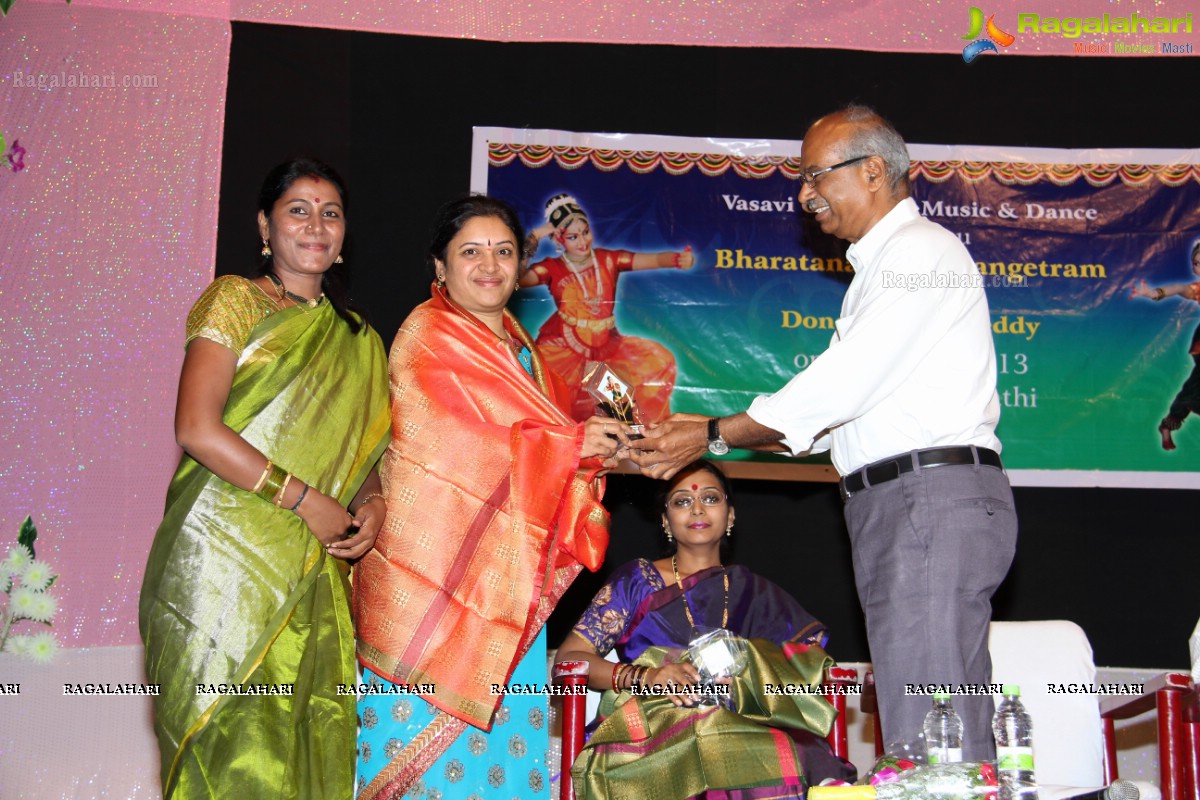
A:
<point x="572" y="674"/>
<point x="1191" y="742"/>
<point x="837" y="683"/>
<point x="1170" y="744"/>
<point x="1110" y="750"/>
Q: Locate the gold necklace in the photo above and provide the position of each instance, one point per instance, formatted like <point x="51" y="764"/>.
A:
<point x="687" y="606"/>
<point x="311" y="302"/>
<point x="579" y="269"/>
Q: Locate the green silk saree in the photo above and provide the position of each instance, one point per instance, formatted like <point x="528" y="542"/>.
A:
<point x="238" y="595"/>
<point x="648" y="747"/>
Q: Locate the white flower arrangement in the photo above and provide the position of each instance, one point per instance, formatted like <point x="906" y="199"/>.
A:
<point x="27" y="583"/>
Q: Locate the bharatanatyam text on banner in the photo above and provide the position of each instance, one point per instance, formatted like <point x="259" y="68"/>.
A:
<point x="1086" y="373"/>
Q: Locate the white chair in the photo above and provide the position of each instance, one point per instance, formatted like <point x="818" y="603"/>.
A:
<point x="1068" y="733"/>
<point x="1047" y="659"/>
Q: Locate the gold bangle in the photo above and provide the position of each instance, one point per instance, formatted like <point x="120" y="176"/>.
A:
<point x="283" y="488"/>
<point x="271" y="488"/>
<point x="262" y="478"/>
<point x="369" y="498"/>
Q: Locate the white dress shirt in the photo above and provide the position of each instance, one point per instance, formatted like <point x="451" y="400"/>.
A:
<point x="911" y="364"/>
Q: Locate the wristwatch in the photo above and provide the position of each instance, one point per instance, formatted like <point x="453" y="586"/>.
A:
<point x="716" y="445"/>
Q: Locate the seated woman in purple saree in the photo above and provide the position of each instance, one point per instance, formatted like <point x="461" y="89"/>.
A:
<point x="762" y="743"/>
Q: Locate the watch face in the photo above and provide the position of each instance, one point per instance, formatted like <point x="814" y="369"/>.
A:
<point x="718" y="447"/>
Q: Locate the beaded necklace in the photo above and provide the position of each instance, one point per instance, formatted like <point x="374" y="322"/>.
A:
<point x="283" y="292"/>
<point x="687" y="606"/>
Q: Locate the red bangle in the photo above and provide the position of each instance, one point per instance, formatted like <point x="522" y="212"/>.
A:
<point x="616" y="667"/>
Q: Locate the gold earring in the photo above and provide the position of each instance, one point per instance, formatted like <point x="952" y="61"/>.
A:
<point x="667" y="531"/>
<point x="266" y="249"/>
<point x="729" y="529"/>
<point x="441" y="281"/>
<point x="339" y="259"/>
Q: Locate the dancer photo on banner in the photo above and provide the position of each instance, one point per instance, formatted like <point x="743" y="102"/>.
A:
<point x="583" y="282"/>
<point x="1187" y="401"/>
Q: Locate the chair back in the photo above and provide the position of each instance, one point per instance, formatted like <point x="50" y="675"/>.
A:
<point x="1048" y="659"/>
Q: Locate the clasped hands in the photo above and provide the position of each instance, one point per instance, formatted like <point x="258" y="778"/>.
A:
<point x="665" y="448"/>
<point x="343" y="535"/>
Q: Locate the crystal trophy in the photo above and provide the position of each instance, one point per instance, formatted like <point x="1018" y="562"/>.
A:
<point x="614" y="396"/>
<point x="715" y="655"/>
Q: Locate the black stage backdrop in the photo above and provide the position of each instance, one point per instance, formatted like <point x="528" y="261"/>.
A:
<point x="394" y="114"/>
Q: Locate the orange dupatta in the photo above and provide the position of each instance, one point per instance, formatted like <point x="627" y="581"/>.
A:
<point x="490" y="513"/>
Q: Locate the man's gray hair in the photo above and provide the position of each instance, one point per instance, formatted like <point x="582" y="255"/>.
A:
<point x="874" y="136"/>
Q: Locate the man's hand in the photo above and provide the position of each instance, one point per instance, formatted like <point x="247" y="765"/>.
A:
<point x="671" y="445"/>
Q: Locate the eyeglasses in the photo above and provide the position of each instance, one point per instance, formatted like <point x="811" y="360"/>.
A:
<point x="810" y="178"/>
<point x="707" y="498"/>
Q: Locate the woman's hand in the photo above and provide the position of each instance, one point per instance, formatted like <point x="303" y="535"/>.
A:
<point x="681" y="677"/>
<point x="604" y="438"/>
<point x="1141" y="290"/>
<point x="325" y="517"/>
<point x="1157" y="293"/>
<point x="684" y="259"/>
<point x="364" y="529"/>
<point x="369" y="511"/>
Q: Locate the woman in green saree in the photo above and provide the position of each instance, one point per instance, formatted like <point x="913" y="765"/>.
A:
<point x="282" y="415"/>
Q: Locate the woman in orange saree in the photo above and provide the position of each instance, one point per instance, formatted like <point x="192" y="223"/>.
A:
<point x="493" y="496"/>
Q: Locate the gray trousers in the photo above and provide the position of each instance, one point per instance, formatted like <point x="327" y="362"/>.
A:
<point x="930" y="548"/>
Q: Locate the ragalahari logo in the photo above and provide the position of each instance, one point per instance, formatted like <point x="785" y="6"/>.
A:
<point x="994" y="37"/>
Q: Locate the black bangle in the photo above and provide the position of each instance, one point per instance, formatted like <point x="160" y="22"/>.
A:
<point x="300" y="499"/>
<point x="639" y="676"/>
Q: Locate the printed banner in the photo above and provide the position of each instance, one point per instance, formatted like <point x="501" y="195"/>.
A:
<point x="711" y="287"/>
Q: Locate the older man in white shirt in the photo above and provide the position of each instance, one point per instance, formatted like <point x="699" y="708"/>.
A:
<point x="905" y="398"/>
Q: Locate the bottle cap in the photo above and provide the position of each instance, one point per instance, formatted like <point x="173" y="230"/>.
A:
<point x="941" y="695"/>
<point x="1010" y="690"/>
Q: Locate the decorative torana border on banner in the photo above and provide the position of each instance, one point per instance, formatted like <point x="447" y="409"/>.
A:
<point x="714" y="164"/>
<point x="642" y="161"/>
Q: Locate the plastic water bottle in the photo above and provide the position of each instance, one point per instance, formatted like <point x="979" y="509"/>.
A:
<point x="943" y="731"/>
<point x="1014" y="747"/>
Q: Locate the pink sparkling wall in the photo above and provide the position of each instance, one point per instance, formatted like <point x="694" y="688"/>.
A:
<point x="907" y="26"/>
<point x="106" y="238"/>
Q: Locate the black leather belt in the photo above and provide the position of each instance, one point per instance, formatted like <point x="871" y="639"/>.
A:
<point x="892" y="468"/>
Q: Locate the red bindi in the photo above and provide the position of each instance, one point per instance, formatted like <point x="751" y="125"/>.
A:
<point x="694" y="487"/>
<point x="317" y="200"/>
